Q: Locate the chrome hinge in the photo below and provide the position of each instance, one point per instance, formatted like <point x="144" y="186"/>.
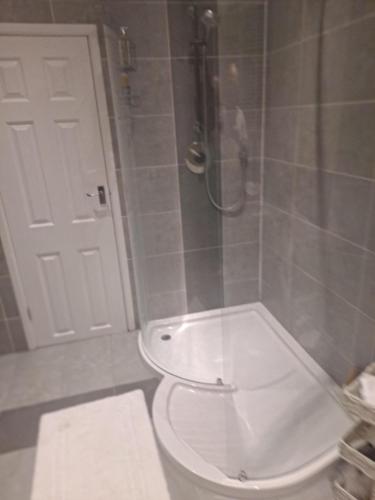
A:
<point x="29" y="314"/>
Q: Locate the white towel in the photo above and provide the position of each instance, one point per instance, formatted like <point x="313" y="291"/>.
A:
<point x="99" y="450"/>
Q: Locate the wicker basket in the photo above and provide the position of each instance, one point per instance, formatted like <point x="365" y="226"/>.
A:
<point x="361" y="434"/>
<point x="339" y="493"/>
<point x="353" y="402"/>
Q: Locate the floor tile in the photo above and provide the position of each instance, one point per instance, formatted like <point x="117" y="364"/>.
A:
<point x="127" y="364"/>
<point x="19" y="427"/>
<point x="87" y="366"/>
<point x="147" y="386"/>
<point x="16" y="474"/>
<point x="7" y="368"/>
<point x="37" y="377"/>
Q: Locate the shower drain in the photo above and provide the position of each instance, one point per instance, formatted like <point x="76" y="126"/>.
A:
<point x="242" y="476"/>
<point x="166" y="336"/>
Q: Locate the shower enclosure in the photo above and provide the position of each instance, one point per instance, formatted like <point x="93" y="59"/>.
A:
<point x="249" y="173"/>
<point x="251" y="211"/>
<point x="199" y="252"/>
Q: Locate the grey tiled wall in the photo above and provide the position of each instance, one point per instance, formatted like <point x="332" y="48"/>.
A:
<point x="12" y="337"/>
<point x="241" y="47"/>
<point x="319" y="216"/>
<point x="156" y="201"/>
<point x="221" y="254"/>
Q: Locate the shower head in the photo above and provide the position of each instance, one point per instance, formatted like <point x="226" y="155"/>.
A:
<point x="209" y="19"/>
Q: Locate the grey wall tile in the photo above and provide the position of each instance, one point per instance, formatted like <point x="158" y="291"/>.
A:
<point x="278" y="184"/>
<point x="283" y="77"/>
<point x="147" y="24"/>
<point x="77" y="11"/>
<point x="121" y="191"/>
<point x="285" y="19"/>
<point x="338" y="138"/>
<point x="181" y="28"/>
<point x="6" y="345"/>
<point x="276" y="288"/>
<point x="367" y="294"/>
<point x="184" y="96"/>
<point x="280" y="133"/>
<point x="370" y="236"/>
<point x="138" y="300"/>
<point x="152" y="85"/>
<point x="17" y="334"/>
<point x="364" y="341"/>
<point x="329" y="64"/>
<point x="328" y="357"/>
<point x="277" y="231"/>
<point x="319" y="299"/>
<point x="31" y="11"/>
<point x="127" y="235"/>
<point x="157" y="189"/>
<point x="322" y="14"/>
<point x="229" y="137"/>
<point x="204" y="280"/>
<point x="167" y="305"/>
<point x="241" y="262"/>
<point x="6" y="11"/>
<point x="162" y="232"/>
<point x="240" y="179"/>
<point x="3" y="263"/>
<point x="165" y="273"/>
<point x="332" y="261"/>
<point x="240" y="81"/>
<point x="334" y="202"/>
<point x="240" y="30"/>
<point x="154" y="142"/>
<point x="201" y="229"/>
<point x="201" y="223"/>
<point x="8" y="298"/>
<point x="12" y="336"/>
<point x="241" y="292"/>
<point x="243" y="226"/>
<point x="318" y="313"/>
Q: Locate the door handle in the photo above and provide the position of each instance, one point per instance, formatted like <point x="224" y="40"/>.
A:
<point x="100" y="194"/>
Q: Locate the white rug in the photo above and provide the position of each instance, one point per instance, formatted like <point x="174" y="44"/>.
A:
<point x="98" y="451"/>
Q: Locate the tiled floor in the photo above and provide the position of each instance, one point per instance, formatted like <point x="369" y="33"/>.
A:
<point x="37" y="382"/>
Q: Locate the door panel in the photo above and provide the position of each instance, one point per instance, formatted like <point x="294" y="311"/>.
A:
<point x="31" y="178"/>
<point x="92" y="264"/>
<point x="55" y="294"/>
<point x="51" y="157"/>
<point x="69" y="139"/>
<point x="12" y="81"/>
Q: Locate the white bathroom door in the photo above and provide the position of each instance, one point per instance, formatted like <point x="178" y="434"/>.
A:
<point x="51" y="159"/>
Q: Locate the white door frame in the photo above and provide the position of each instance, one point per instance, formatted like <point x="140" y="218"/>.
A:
<point x="90" y="32"/>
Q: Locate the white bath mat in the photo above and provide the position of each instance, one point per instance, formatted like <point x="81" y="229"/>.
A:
<point x="100" y="450"/>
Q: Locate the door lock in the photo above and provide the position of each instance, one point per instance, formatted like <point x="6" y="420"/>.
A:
<point x="100" y="194"/>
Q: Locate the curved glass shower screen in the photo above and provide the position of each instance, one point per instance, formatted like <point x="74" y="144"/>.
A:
<point x="216" y="61"/>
